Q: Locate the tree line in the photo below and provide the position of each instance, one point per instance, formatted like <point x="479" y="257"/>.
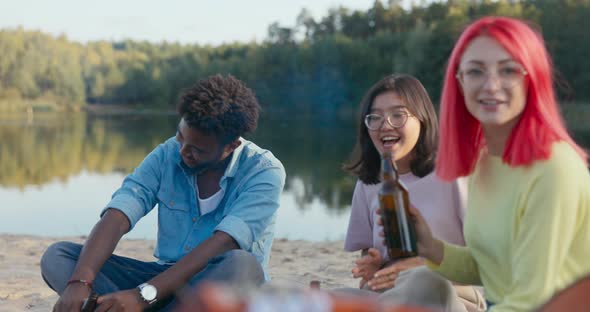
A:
<point x="316" y="66"/>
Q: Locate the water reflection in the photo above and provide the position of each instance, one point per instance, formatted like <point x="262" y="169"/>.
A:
<point x="68" y="166"/>
<point x="57" y="171"/>
<point x="59" y="146"/>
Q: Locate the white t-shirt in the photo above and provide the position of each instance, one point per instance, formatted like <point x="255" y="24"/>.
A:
<point x="209" y="204"/>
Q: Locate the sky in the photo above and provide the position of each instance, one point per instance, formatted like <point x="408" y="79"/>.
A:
<point x="198" y="21"/>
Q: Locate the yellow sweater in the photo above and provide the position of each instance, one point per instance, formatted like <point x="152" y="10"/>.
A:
<point x="527" y="230"/>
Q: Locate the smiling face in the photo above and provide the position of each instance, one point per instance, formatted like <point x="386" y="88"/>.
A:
<point x="400" y="141"/>
<point x="198" y="150"/>
<point x="492" y="83"/>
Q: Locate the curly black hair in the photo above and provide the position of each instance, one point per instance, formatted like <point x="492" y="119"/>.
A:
<point x="220" y="106"/>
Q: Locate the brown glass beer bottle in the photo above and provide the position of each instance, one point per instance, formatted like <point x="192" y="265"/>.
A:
<point x="89" y="304"/>
<point x="399" y="230"/>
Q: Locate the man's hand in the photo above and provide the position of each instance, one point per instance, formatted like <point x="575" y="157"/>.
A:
<point x="385" y="278"/>
<point x="126" y="300"/>
<point x="98" y="248"/>
<point x="72" y="298"/>
<point x="367" y="265"/>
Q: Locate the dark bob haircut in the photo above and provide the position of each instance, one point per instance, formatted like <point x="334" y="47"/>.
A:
<point x="365" y="161"/>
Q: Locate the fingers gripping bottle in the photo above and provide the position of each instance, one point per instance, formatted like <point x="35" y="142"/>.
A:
<point x="399" y="230"/>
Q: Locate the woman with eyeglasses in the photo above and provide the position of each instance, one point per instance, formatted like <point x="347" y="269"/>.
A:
<point x="527" y="226"/>
<point x="398" y="116"/>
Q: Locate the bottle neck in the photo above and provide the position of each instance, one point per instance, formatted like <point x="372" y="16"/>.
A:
<point x="389" y="170"/>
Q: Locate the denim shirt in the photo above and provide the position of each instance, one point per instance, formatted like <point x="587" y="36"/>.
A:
<point x="252" y="183"/>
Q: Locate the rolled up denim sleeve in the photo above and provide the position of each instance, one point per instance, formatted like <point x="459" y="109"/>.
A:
<point x="254" y="209"/>
<point x="137" y="195"/>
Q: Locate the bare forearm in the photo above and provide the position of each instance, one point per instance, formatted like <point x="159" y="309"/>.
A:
<point x="100" y="244"/>
<point x="434" y="252"/>
<point x="179" y="274"/>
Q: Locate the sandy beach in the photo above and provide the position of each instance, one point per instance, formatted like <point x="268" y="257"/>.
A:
<point x="292" y="262"/>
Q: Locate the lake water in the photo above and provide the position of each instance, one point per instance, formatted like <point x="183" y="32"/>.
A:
<point x="58" y="171"/>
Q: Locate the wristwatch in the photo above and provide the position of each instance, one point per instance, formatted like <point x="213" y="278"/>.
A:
<point x="148" y="292"/>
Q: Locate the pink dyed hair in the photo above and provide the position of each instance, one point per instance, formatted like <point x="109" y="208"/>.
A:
<point x="540" y="125"/>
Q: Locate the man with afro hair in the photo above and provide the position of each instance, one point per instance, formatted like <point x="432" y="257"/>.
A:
<point x="217" y="197"/>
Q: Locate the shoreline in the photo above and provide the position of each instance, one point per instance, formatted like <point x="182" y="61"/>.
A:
<point x="292" y="263"/>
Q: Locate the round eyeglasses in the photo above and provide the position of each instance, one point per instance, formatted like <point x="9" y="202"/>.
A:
<point x="476" y="77"/>
<point x="396" y="120"/>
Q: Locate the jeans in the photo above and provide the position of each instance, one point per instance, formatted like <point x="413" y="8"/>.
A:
<point x="121" y="273"/>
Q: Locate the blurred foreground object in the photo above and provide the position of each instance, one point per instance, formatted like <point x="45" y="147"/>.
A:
<point x="575" y="298"/>
<point x="215" y="298"/>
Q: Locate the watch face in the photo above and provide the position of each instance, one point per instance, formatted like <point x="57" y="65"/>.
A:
<point x="149" y="292"/>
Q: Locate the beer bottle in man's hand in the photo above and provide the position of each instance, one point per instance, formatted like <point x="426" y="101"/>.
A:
<point x="89" y="304"/>
<point x="399" y="230"/>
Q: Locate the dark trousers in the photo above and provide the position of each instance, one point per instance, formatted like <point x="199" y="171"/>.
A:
<point x="237" y="267"/>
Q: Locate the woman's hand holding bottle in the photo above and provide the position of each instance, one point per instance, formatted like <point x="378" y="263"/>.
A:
<point x="429" y="247"/>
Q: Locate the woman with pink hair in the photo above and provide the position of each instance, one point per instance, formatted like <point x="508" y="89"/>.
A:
<point x="527" y="227"/>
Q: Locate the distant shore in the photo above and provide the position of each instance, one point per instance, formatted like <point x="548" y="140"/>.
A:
<point x="116" y="109"/>
<point x="292" y="262"/>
